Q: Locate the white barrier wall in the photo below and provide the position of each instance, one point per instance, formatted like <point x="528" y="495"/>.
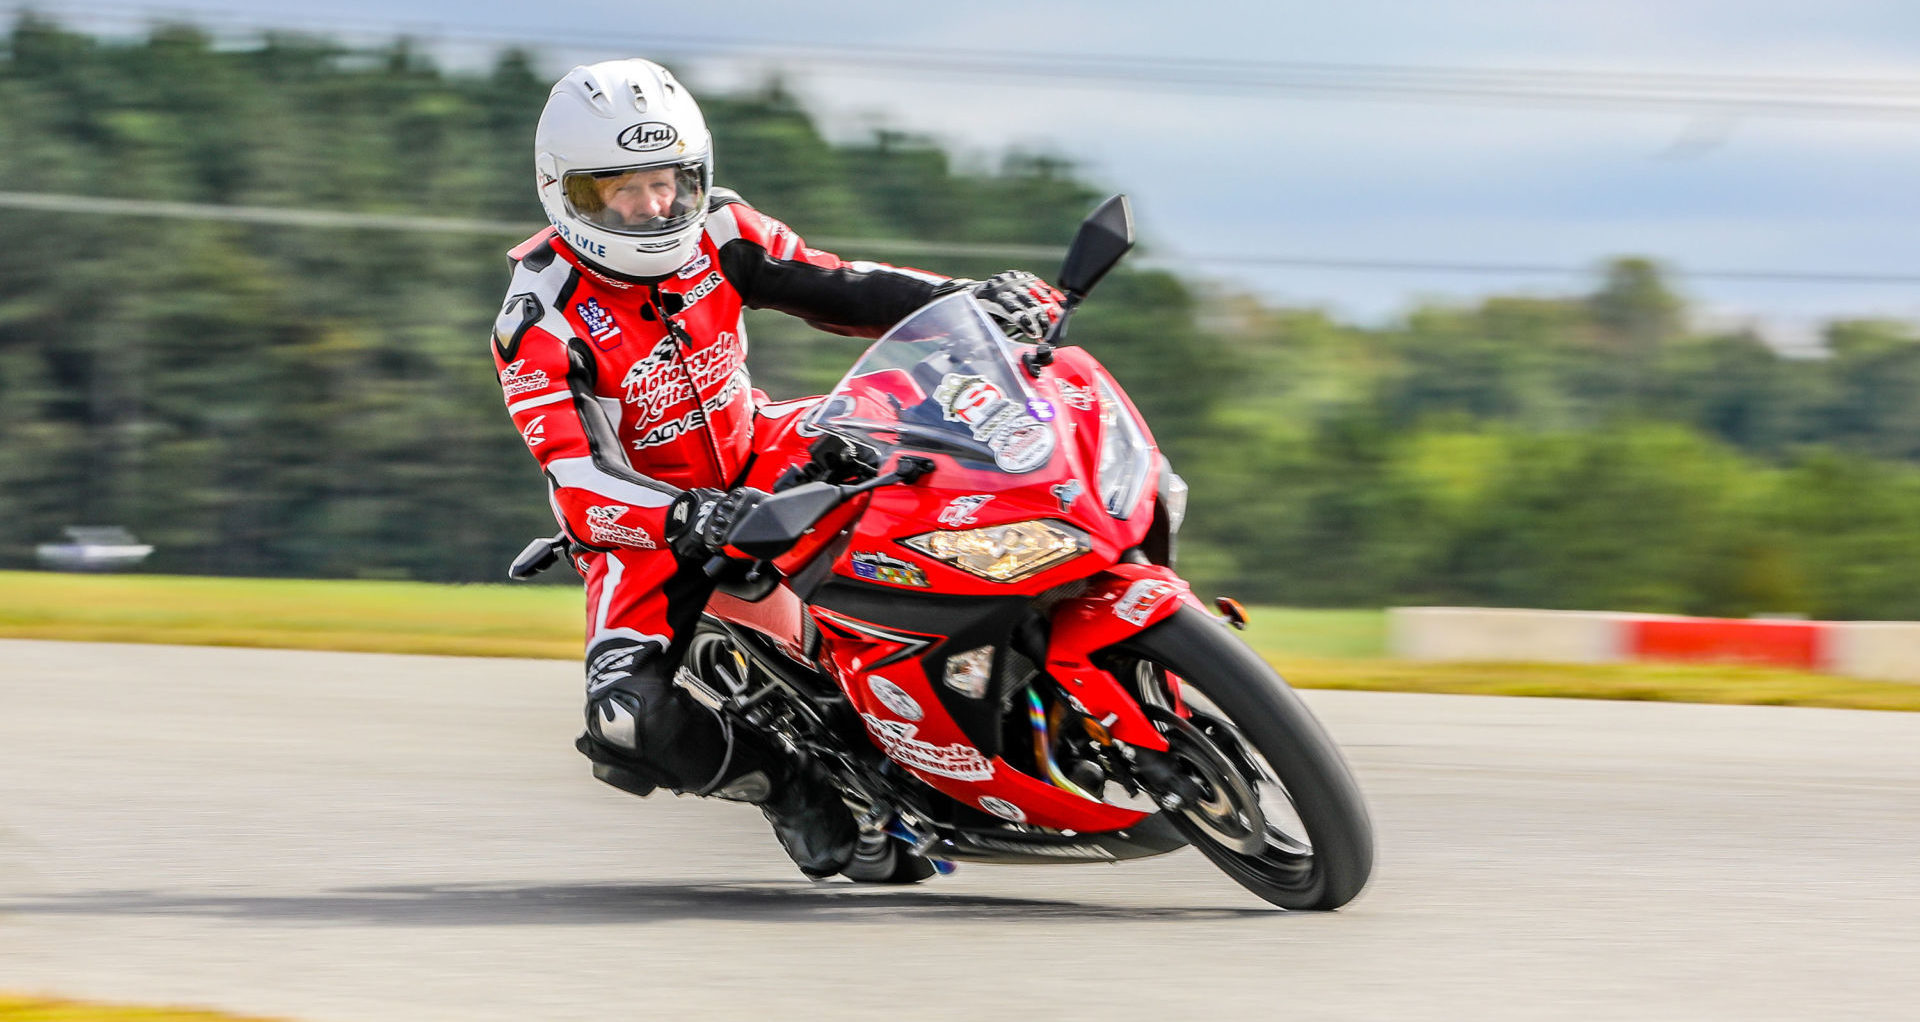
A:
<point x="1488" y="633"/>
<point x="1882" y="650"/>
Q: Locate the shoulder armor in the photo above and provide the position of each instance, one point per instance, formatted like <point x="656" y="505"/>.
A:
<point x="734" y="220"/>
<point x="534" y="250"/>
<point x="536" y="297"/>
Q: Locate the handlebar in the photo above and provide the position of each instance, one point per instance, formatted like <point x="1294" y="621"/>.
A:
<point x="772" y="526"/>
<point x="766" y="530"/>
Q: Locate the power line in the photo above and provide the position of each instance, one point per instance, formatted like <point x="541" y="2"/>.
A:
<point x="48" y="202"/>
<point x="1810" y="97"/>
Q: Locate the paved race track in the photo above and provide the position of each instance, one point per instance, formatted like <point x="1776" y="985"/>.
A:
<point x="348" y="838"/>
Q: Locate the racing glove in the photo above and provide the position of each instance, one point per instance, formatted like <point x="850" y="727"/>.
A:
<point x="700" y="520"/>
<point x="1022" y="304"/>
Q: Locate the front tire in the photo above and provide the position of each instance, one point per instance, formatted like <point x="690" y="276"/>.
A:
<point x="1248" y="717"/>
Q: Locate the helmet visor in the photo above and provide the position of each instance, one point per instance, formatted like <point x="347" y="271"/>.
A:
<point x="637" y="200"/>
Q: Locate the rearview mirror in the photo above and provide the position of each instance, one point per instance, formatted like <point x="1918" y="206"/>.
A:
<point x="1103" y="238"/>
<point x="771" y="527"/>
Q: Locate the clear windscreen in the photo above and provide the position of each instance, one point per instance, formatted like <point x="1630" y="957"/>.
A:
<point x="944" y="380"/>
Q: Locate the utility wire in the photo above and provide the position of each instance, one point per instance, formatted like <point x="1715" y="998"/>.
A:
<point x="48" y="202"/>
<point x="1813" y="97"/>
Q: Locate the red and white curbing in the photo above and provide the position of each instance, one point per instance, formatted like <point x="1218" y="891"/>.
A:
<point x="1882" y="650"/>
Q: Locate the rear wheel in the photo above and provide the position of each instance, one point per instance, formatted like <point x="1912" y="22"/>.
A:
<point x="1277" y="808"/>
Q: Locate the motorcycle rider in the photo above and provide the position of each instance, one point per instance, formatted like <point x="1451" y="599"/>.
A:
<point x="621" y="350"/>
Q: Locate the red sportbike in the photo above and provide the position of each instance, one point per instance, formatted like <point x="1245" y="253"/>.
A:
<point x="961" y="598"/>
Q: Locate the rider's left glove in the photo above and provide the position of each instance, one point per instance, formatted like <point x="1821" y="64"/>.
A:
<point x="701" y="520"/>
<point x="1022" y="304"/>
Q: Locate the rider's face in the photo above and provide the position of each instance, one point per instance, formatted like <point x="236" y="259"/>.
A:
<point x="640" y="196"/>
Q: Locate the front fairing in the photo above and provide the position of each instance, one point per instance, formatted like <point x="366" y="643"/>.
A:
<point x="887" y="620"/>
<point x="946" y="384"/>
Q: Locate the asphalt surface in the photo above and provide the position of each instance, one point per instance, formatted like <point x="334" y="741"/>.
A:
<point x="347" y="837"/>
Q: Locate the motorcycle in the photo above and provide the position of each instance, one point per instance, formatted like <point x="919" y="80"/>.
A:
<point x="960" y="598"/>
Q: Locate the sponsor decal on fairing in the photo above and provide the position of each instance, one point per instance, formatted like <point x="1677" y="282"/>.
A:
<point x="536" y="432"/>
<point x="959" y="761"/>
<point x="1004" y="809"/>
<point x="1066" y="493"/>
<point x="1019" y="442"/>
<point x="964" y="510"/>
<point x="603" y="528"/>
<point x="1075" y="396"/>
<point x="878" y="567"/>
<point x="1042" y="410"/>
<point x="1136" y="604"/>
<point x="895" y="698"/>
<point x="515" y="383"/>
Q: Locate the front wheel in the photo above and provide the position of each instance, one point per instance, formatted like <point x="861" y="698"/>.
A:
<point x="1278" y="809"/>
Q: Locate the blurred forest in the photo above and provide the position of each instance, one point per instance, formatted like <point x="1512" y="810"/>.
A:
<point x="274" y="400"/>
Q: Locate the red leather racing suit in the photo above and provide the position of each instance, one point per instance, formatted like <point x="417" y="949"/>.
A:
<point x="627" y="392"/>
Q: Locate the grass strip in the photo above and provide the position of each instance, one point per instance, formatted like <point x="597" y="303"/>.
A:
<point x="17" y="1008"/>
<point x="1340" y="649"/>
<point x="1643" y="682"/>
<point x="373" y="617"/>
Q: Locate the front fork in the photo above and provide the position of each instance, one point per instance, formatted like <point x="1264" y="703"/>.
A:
<point x="1123" y="601"/>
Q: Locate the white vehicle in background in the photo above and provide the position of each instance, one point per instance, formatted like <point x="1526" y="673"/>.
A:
<point x="93" y="548"/>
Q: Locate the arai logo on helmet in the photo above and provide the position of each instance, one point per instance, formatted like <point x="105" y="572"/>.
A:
<point x="647" y="136"/>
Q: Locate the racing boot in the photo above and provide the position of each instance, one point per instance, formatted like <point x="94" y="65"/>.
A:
<point x="640" y="737"/>
<point x="811" y="822"/>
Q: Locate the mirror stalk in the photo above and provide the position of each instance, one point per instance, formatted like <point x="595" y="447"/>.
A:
<point x="1042" y="354"/>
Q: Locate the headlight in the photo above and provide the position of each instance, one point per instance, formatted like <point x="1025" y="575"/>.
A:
<point x="1004" y="553"/>
<point x="1125" y="459"/>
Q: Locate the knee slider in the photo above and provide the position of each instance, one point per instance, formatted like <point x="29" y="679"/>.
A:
<point x="615" y="719"/>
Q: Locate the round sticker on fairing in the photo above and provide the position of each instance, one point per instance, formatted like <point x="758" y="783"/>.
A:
<point x="1004" y="809"/>
<point x="895" y="698"/>
<point x="1022" y="448"/>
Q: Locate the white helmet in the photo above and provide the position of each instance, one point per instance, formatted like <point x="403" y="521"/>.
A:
<point x="624" y="164"/>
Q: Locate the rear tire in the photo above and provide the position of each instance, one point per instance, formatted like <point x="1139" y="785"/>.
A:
<point x="1304" y="774"/>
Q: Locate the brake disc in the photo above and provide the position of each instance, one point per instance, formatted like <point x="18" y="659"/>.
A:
<point x="1229" y="811"/>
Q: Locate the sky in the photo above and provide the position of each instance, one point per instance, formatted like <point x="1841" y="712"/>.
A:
<point x="1293" y="174"/>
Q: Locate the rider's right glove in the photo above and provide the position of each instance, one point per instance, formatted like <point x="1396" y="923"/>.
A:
<point x="700" y="520"/>
<point x="1022" y="304"/>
